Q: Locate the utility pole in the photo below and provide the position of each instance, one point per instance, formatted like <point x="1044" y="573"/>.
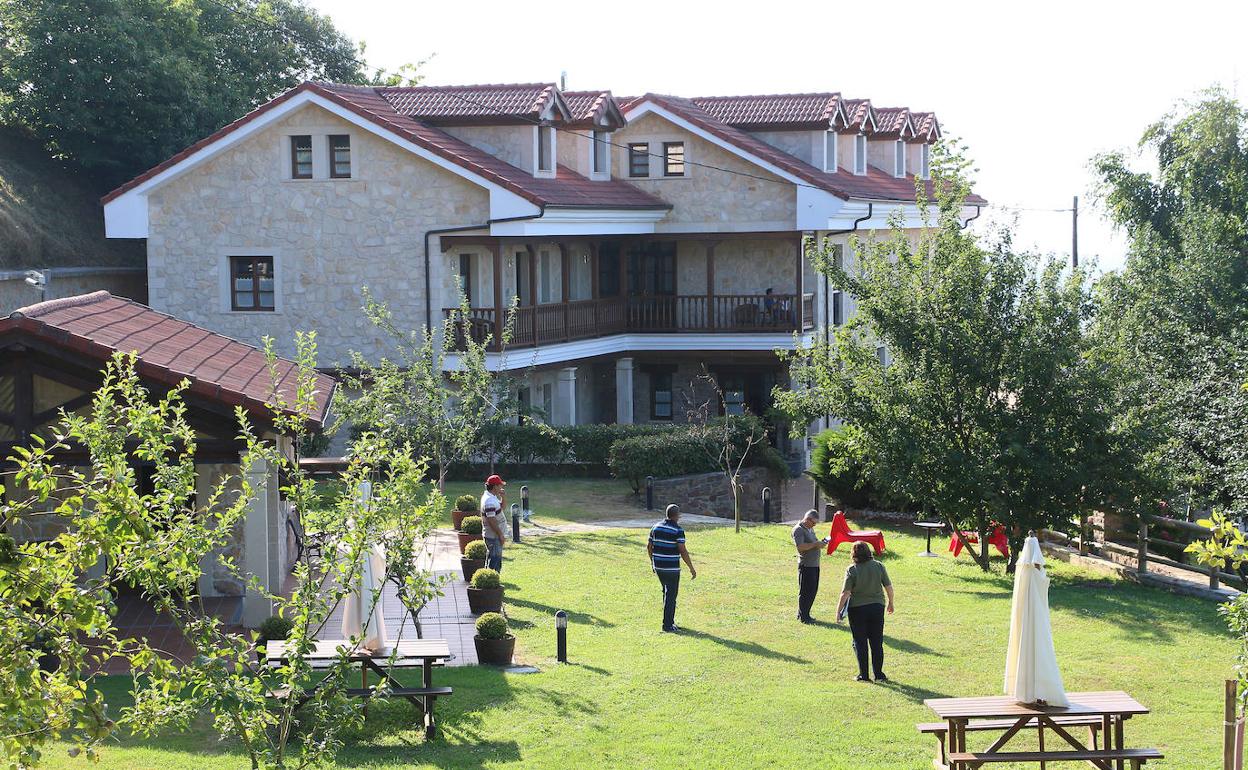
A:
<point x="1074" y="233"/>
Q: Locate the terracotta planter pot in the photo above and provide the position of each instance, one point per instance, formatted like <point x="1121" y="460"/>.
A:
<point x="495" y="652"/>
<point x="469" y="566"/>
<point x="482" y="600"/>
<point x="465" y="539"/>
<point x="457" y="517"/>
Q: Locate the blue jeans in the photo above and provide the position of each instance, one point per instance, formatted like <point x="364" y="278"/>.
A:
<point x="494" y="554"/>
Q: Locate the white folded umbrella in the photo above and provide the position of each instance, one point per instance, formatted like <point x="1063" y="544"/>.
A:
<point x="363" y="601"/>
<point x="1031" y="673"/>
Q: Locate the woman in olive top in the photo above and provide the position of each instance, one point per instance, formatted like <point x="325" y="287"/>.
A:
<point x="866" y="585"/>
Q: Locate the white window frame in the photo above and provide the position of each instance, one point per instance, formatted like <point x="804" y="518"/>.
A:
<point x="925" y="160"/>
<point x="860" y="154"/>
<point x="830" y="139"/>
<point x="538" y="171"/>
<point x="899" y="158"/>
<point x="599" y="141"/>
<point x="224" y="304"/>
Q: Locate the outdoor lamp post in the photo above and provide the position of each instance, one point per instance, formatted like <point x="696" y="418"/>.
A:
<point x="525" y="511"/>
<point x="515" y="523"/>
<point x="561" y="636"/>
<point x="649" y="493"/>
<point x="766" y="505"/>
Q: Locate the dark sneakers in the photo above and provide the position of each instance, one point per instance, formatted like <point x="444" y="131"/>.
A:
<point x="671" y="630"/>
<point x="861" y="678"/>
<point x="881" y="678"/>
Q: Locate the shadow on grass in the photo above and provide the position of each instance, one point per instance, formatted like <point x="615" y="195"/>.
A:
<point x="583" y="618"/>
<point x="749" y="648"/>
<point x="914" y="648"/>
<point x="911" y="692"/>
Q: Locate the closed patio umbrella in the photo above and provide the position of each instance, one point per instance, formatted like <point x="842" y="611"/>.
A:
<point x="362" y="615"/>
<point x="1031" y="673"/>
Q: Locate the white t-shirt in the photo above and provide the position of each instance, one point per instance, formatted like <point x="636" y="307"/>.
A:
<point x="491" y="508"/>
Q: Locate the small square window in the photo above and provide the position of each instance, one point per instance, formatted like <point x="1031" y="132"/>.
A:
<point x="661" y="396"/>
<point x="639" y="159"/>
<point x="252" y="283"/>
<point x="340" y="156"/>
<point x="301" y="157"/>
<point x="599" y="151"/>
<point x="673" y="159"/>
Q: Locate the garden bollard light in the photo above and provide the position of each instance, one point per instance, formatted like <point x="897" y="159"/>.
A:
<point x="766" y="505"/>
<point x="561" y="636"/>
<point x="525" y="511"/>
<point x="515" y="523"/>
<point x="649" y="493"/>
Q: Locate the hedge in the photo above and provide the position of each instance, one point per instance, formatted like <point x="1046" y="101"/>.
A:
<point x="840" y="468"/>
<point x="691" y="449"/>
<point x="588" y="444"/>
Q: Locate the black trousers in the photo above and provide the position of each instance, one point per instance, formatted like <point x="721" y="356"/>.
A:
<point x="866" y="625"/>
<point x="807" y="590"/>
<point x="671" y="587"/>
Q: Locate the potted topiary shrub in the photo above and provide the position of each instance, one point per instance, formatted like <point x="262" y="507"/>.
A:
<point x="474" y="558"/>
<point x="469" y="530"/>
<point x="464" y="506"/>
<point x="494" y="644"/>
<point x="485" y="592"/>
<point x="273" y="628"/>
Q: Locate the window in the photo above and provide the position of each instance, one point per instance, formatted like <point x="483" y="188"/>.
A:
<point x="465" y="276"/>
<point x="829" y="151"/>
<point x="661" y="396"/>
<point x="673" y="159"/>
<point x="639" y="159"/>
<point x="882" y="354"/>
<point x="652" y="269"/>
<point x="860" y="154"/>
<point x="899" y="158"/>
<point x="925" y="161"/>
<point x="548" y="400"/>
<point x="609" y="269"/>
<point x="251" y="283"/>
<point x="339" y="156"/>
<point x="733" y="387"/>
<point x="301" y="157"/>
<point x="545" y="276"/>
<point x="599" y="152"/>
<point x="524" y="405"/>
<point x="545" y="140"/>
<point x="838" y="308"/>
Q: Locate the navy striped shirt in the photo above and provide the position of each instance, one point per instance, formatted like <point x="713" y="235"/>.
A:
<point x="666" y="537"/>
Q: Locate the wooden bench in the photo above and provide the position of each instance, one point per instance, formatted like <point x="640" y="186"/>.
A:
<point x="1137" y="757"/>
<point x="426" y="696"/>
<point x="941" y="729"/>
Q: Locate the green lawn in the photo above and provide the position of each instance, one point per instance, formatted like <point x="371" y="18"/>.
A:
<point x="749" y="687"/>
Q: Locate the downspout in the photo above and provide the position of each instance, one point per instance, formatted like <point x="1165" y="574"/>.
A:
<point x="972" y="219"/>
<point x="827" y="311"/>
<point x="463" y="228"/>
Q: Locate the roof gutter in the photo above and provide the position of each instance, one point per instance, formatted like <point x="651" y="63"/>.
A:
<point x="541" y="212"/>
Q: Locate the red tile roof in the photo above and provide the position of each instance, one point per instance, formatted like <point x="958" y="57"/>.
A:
<point x="168" y="350"/>
<point x="451" y="105"/>
<point x="772" y="111"/>
<point x="891" y="122"/>
<point x="590" y="108"/>
<point x="567" y="189"/>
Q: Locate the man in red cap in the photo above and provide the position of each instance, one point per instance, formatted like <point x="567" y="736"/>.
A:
<point x="492" y="518"/>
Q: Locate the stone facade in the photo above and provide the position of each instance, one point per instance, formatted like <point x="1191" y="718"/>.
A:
<point x="328" y="237"/>
<point x="710" y="494"/>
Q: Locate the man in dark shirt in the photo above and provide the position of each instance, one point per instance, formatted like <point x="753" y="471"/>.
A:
<point x="666" y="548"/>
<point x="809" y="549"/>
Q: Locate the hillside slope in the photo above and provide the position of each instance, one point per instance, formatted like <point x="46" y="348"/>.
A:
<point x="50" y="214"/>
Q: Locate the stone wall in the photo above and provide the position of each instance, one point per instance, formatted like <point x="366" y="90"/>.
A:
<point x="709" y="494"/>
<point x="328" y="237"/>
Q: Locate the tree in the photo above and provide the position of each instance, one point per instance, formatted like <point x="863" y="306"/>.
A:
<point x="1174" y="323"/>
<point x="728" y="441"/>
<point x="57" y="598"/>
<point x="988" y="409"/>
<point x="415" y="398"/>
<point x="121" y="85"/>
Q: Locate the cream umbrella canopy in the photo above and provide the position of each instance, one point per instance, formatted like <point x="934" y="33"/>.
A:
<point x="362" y="616"/>
<point x="1031" y="673"/>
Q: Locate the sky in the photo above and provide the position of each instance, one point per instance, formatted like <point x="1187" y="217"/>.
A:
<point x="1035" y="90"/>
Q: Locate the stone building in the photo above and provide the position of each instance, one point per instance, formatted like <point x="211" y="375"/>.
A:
<point x="640" y="240"/>
<point x="52" y="358"/>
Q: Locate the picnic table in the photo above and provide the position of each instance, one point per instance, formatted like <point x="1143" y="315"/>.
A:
<point x="1109" y="708"/>
<point x="410" y="653"/>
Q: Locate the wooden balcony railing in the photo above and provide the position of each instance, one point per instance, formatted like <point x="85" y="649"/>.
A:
<point x="583" y="319"/>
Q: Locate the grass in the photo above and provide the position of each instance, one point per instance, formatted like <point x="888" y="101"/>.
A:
<point x="564" y="500"/>
<point x="747" y="686"/>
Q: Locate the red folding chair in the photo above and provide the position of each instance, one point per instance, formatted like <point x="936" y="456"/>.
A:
<point x="841" y="533"/>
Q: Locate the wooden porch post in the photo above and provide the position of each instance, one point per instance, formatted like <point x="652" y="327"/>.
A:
<point x="532" y="290"/>
<point x="499" y="322"/>
<point x="710" y="285"/>
<point x="799" y="309"/>
<point x="565" y="285"/>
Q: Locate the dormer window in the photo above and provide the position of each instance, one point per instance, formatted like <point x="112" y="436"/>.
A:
<point x="925" y="161"/>
<point x="545" y="148"/>
<point x="829" y="151"/>
<point x="599" y="152"/>
<point x="899" y="158"/>
<point x="301" y="157"/>
<point x="860" y="154"/>
<point x="340" y="156"/>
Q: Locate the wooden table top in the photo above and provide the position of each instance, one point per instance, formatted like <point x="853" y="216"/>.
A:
<point x="1001" y="706"/>
<point x="410" y="651"/>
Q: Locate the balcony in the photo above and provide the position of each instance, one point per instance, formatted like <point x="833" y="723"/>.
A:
<point x="537" y="325"/>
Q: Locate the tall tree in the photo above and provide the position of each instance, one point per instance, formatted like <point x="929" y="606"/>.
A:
<point x="1174" y="323"/>
<point x="985" y="406"/>
<point x="120" y="85"/>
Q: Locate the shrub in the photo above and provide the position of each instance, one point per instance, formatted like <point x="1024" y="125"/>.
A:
<point x="471" y="525"/>
<point x="492" y="625"/>
<point x="466" y="503"/>
<point x="486" y="578"/>
<point x="274" y="627"/>
<point x="839" y="466"/>
<point x="659" y="455"/>
<point x="476" y="551"/>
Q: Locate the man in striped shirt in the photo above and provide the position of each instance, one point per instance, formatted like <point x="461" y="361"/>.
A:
<point x="666" y="548"/>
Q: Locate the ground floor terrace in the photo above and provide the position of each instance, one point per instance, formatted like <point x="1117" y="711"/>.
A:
<point x="557" y="290"/>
